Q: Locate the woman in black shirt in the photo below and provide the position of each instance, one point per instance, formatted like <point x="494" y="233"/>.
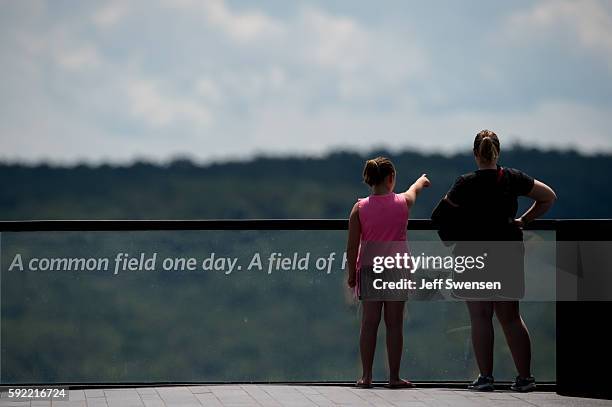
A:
<point x="487" y="202"/>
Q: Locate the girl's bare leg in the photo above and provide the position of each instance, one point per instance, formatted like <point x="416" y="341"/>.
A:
<point x="367" y="341"/>
<point x="394" y="322"/>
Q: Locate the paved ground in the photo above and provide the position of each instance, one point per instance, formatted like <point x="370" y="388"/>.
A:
<point x="286" y="395"/>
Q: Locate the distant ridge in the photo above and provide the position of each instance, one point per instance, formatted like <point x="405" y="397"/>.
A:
<point x="276" y="187"/>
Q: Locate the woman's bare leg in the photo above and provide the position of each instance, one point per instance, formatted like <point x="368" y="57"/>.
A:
<point x="367" y="341"/>
<point x="481" y="316"/>
<point x="394" y="322"/>
<point x="517" y="335"/>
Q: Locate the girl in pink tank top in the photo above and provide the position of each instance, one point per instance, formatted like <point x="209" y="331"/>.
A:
<point x="381" y="217"/>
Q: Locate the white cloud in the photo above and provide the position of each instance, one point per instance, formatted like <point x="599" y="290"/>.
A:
<point x="587" y="22"/>
<point x="111" y="13"/>
<point x="279" y="128"/>
<point x="359" y="62"/>
<point x="155" y="109"/>
<point x="335" y="42"/>
<point x="366" y="61"/>
<point x="570" y="125"/>
<point x="81" y="58"/>
<point x="58" y="46"/>
<point x="242" y="27"/>
<point x="208" y="90"/>
<point x="215" y="80"/>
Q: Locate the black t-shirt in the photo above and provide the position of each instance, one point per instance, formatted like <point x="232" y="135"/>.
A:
<point x="488" y="202"/>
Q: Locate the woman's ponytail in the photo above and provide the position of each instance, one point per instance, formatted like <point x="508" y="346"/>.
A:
<point x="486" y="146"/>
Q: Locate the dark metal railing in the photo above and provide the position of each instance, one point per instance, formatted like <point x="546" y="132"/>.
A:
<point x="232" y="224"/>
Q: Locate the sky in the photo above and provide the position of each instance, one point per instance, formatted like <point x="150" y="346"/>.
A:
<point x="117" y="81"/>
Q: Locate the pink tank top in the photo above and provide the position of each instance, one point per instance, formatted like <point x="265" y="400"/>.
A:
<point x="383" y="218"/>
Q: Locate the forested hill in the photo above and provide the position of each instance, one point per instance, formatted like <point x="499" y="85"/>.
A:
<point x="289" y="187"/>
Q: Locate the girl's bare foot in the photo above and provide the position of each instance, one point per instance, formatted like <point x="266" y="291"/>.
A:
<point x="364" y="383"/>
<point x="400" y="384"/>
